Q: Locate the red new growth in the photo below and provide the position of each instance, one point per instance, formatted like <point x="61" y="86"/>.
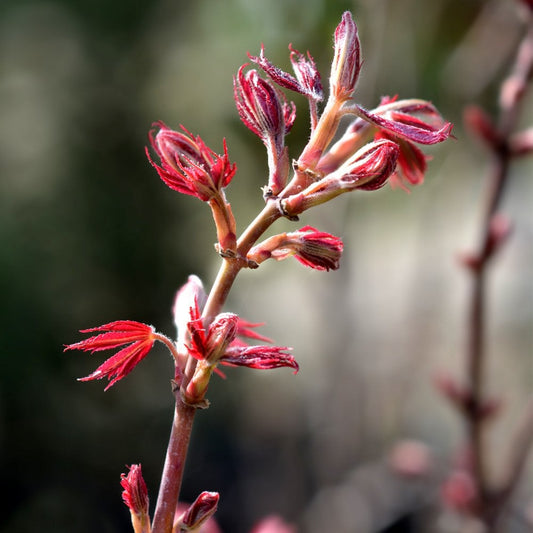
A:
<point x="137" y="339"/>
<point x="188" y="165"/>
<point x="347" y="59"/>
<point x="135" y="494"/>
<point x="312" y="248"/>
<point x="307" y="81"/>
<point x="262" y="108"/>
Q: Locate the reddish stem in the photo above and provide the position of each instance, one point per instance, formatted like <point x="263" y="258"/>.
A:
<point x="491" y="501"/>
<point x="476" y="346"/>
<point x="184" y="414"/>
<point x="522" y="445"/>
<point x="174" y="464"/>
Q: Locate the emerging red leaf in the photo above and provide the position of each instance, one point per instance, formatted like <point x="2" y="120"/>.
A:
<point x="312" y="248"/>
<point x="137" y="338"/>
<point x="347" y="59"/>
<point x="260" y="357"/>
<point x="188" y="165"/>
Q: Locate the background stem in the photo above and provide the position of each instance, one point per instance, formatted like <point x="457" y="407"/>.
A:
<point x="492" y="501"/>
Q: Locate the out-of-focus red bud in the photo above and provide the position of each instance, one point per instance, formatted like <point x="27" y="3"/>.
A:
<point x="273" y="524"/>
<point x="461" y="398"/>
<point x="457" y="394"/>
<point x="198" y="513"/>
<point x="521" y="143"/>
<point x="514" y="87"/>
<point x="499" y="232"/>
<point x="459" y="492"/>
<point x="511" y="91"/>
<point x="469" y="260"/>
<point x="482" y="126"/>
<point x="411" y="458"/>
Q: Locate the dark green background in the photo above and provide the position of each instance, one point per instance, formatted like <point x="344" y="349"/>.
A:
<point x="89" y="234"/>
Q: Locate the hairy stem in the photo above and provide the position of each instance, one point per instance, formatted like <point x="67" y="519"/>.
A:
<point x="174" y="464"/>
<point x="184" y="414"/>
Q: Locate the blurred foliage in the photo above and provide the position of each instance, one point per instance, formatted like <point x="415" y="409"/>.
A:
<point x="88" y="234"/>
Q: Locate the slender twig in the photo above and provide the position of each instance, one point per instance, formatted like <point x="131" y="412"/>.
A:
<point x="516" y="83"/>
<point x="476" y="355"/>
<point x="519" y="452"/>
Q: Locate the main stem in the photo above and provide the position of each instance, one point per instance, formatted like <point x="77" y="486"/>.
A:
<point x="182" y="424"/>
<point x="178" y="445"/>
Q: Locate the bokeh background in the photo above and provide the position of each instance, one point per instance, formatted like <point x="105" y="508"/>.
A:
<point x="89" y="234"/>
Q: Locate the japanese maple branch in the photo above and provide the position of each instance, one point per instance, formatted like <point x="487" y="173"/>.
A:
<point x="354" y="162"/>
<point x="375" y="149"/>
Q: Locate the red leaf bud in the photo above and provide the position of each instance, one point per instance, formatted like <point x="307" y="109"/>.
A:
<point x="199" y="512"/>
<point x="135" y="496"/>
<point x="262" y="108"/>
<point x="188" y="165"/>
<point x="312" y="248"/>
<point x="346" y="60"/>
